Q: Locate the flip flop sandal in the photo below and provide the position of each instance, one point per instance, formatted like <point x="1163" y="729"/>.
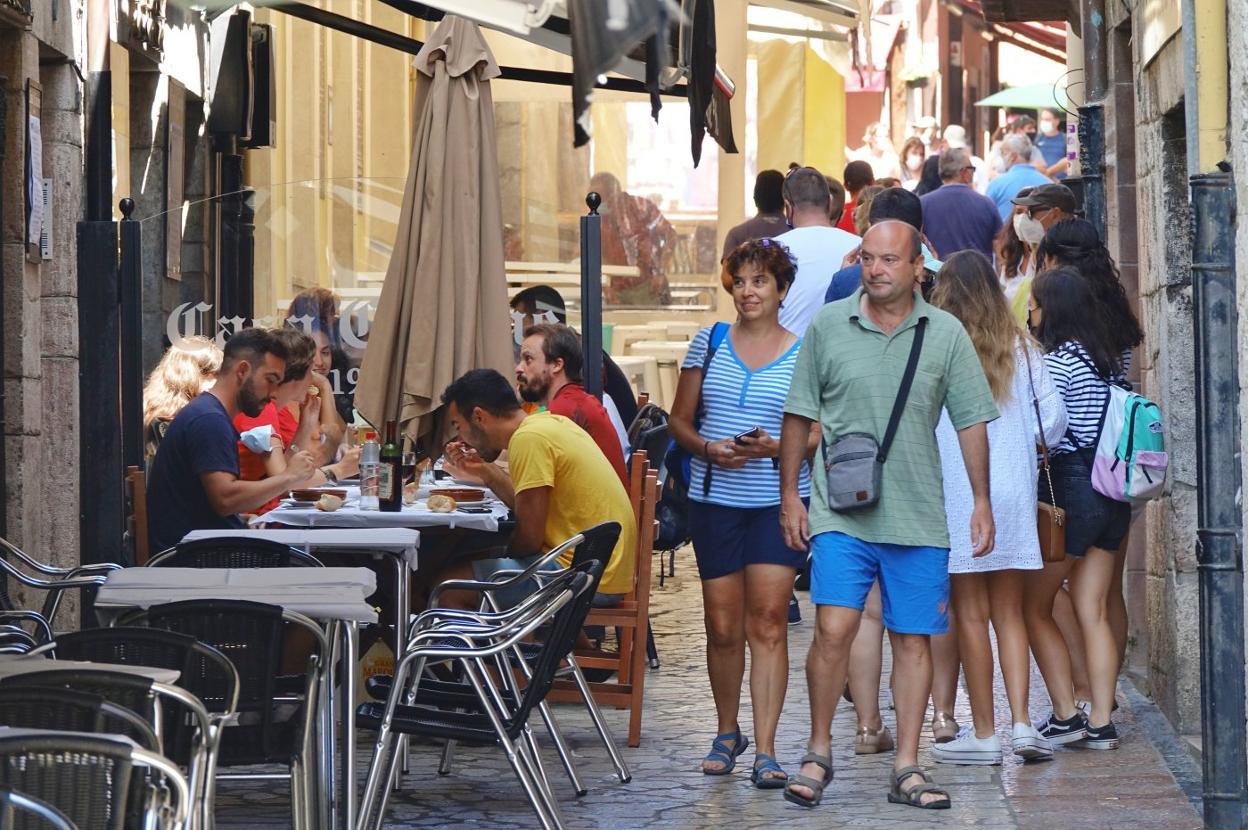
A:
<point x="913" y="797"/>
<point x="814" y="786"/>
<point x="763" y="764"/>
<point x="724" y="754"/>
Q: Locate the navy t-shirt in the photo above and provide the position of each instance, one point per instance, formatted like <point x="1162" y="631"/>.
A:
<point x="844" y="283"/>
<point x="201" y="439"/>
<point x="956" y="218"/>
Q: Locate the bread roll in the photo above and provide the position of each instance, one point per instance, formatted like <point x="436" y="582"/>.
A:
<point x="328" y="502"/>
<point x="441" y="504"/>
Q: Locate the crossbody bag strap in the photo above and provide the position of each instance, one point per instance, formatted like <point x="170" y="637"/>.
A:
<point x="1044" y="444"/>
<point x="904" y="392"/>
<point x="714" y="339"/>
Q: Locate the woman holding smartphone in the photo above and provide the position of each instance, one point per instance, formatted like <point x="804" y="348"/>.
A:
<point x="727" y="415"/>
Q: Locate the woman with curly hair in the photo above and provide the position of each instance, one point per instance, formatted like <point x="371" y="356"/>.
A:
<point x="186" y="369"/>
<point x="727" y="414"/>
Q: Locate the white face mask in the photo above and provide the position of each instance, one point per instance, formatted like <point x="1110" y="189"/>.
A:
<point x="914" y="162"/>
<point x="1048" y="127"/>
<point x="1028" y="229"/>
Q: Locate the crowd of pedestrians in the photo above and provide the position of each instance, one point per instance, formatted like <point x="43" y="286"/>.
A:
<point x="896" y="438"/>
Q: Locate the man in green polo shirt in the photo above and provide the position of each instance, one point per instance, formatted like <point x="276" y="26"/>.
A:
<point x="847" y="378"/>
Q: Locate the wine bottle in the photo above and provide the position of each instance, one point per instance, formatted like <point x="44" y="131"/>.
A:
<point x="390" y="488"/>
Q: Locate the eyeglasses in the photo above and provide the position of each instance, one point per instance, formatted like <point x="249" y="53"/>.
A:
<point x="1034" y="209"/>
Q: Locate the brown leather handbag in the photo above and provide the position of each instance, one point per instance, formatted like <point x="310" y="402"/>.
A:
<point x="1050" y="519"/>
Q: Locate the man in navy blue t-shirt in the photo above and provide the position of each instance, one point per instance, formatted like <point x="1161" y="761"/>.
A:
<point x="194" y="480"/>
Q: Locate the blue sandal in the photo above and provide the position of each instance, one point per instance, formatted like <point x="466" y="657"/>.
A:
<point x="763" y="764"/>
<point x="724" y="754"/>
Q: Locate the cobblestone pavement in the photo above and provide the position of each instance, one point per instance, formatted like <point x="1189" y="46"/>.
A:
<point x="1131" y="788"/>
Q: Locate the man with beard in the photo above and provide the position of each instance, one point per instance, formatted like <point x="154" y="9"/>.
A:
<point x="549" y="374"/>
<point x="563" y="484"/>
<point x="194" y="482"/>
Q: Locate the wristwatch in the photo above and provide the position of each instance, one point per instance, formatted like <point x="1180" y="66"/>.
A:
<point x="328" y="472"/>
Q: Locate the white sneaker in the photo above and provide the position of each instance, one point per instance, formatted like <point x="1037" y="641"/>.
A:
<point x="967" y="749"/>
<point x="1030" y="745"/>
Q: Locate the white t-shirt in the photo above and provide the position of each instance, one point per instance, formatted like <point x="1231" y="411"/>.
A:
<point x="818" y="252"/>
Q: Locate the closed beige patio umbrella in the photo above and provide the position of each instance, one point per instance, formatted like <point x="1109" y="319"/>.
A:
<point x="443" y="308"/>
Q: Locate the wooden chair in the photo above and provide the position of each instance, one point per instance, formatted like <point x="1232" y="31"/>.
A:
<point x="631" y="618"/>
<point x="136" y="513"/>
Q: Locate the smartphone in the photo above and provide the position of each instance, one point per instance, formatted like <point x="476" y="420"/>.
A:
<point x="474" y="509"/>
<point x="749" y="433"/>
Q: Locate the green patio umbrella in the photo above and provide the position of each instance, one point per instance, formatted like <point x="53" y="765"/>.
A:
<point x="1030" y="97"/>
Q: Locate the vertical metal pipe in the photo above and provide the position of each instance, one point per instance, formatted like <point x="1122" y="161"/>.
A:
<point x="4" y="109"/>
<point x="1095" y="50"/>
<point x="130" y="288"/>
<point x="1219" y="544"/>
<point x="1092" y="166"/>
<point x="591" y="295"/>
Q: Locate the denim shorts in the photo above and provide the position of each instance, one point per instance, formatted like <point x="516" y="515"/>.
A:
<point x="1092" y="520"/>
<point x="726" y="539"/>
<point x="914" y="581"/>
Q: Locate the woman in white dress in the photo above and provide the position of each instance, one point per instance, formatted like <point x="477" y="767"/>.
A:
<point x="990" y="588"/>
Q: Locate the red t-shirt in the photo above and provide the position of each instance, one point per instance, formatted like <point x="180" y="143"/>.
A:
<point x="574" y="403"/>
<point x="846" y="222"/>
<point x="251" y="464"/>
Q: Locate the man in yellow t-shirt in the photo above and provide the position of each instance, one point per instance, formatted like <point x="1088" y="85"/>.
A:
<point x="563" y="483"/>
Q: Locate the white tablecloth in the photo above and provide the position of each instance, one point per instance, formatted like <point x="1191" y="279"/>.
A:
<point x="320" y="593"/>
<point x="402" y="541"/>
<point x="411" y="516"/>
<point x="14" y="664"/>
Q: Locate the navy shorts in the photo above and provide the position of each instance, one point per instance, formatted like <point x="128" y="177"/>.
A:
<point x="726" y="539"/>
<point x="914" y="581"/>
<point x="1092" y="519"/>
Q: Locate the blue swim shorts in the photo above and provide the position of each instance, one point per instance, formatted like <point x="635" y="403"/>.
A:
<point x="914" y="581"/>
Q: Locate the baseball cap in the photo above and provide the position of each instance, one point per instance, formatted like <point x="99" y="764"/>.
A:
<point x="955" y="136"/>
<point x="1050" y="196"/>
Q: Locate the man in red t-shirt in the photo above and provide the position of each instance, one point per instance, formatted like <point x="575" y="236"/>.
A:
<point x="549" y="373"/>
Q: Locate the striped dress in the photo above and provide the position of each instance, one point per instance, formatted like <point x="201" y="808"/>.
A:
<point x="1084" y="392"/>
<point x="735" y="400"/>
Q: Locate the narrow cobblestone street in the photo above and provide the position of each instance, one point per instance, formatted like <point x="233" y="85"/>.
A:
<point x="1080" y="789"/>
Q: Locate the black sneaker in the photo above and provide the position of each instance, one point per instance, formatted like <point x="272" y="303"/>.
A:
<point x="1106" y="737"/>
<point x="795" y="611"/>
<point x="1059" y="732"/>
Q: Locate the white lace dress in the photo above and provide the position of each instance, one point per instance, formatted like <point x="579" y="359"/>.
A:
<point x="1012" y="441"/>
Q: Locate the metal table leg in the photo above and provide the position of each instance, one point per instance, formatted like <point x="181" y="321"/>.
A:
<point x="402" y="614"/>
<point x="328" y="732"/>
<point x="350" y="660"/>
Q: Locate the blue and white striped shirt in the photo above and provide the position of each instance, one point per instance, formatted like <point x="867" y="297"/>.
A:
<point x="735" y="400"/>
<point x="1084" y="392"/>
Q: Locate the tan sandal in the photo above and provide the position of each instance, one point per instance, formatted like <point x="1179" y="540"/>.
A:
<point x="872" y="741"/>
<point x="944" y="728"/>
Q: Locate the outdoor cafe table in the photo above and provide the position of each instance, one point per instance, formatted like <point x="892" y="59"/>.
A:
<point x="333" y="596"/>
<point x="12" y="665"/>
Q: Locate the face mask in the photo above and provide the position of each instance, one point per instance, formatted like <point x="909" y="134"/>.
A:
<point x="1048" y="127"/>
<point x="1029" y="230"/>
<point x="914" y="162"/>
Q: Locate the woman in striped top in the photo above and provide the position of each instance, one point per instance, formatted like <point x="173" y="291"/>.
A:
<point x="727" y="414"/>
<point x="1082" y="357"/>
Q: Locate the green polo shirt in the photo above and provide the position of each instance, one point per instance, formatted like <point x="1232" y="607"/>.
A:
<point x="847" y="377"/>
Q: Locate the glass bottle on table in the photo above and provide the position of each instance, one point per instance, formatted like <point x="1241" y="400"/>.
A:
<point x="370" y="464"/>
<point x="390" y="480"/>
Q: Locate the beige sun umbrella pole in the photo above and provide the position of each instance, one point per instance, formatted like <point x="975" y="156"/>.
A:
<point x="443" y="307"/>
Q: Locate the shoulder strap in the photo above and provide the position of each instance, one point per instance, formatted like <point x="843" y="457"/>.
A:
<point x="713" y="341"/>
<point x="904" y="392"/>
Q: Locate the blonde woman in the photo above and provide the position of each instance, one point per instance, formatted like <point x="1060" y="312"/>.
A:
<point x="991" y="587"/>
<point x="188" y="368"/>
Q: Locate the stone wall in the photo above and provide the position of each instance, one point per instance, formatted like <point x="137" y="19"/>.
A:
<point x="40" y="297"/>
<point x="1167" y="374"/>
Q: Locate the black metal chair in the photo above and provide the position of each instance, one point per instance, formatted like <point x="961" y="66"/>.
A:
<point x="23" y="812"/>
<point x="271" y="725"/>
<point x="233" y="552"/>
<point x="92" y="779"/>
<point x="480" y="648"/>
<point x="52" y="580"/>
<point x="181" y="723"/>
<point x="72" y="710"/>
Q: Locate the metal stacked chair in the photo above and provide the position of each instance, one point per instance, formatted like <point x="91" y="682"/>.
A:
<point x="92" y="779"/>
<point x="54" y="581"/>
<point x="271" y="725"/>
<point x="233" y="552"/>
<point x="481" y="647"/>
<point x="22" y="812"/>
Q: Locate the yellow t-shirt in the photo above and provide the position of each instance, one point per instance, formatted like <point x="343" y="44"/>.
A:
<point x="552" y="451"/>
